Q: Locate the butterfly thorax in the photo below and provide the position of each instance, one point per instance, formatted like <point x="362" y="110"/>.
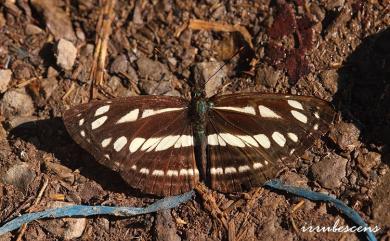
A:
<point x="200" y="107"/>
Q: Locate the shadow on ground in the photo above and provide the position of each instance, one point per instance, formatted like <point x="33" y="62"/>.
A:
<point x="364" y="91"/>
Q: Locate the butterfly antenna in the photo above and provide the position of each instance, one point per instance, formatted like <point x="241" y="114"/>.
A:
<point x="224" y="64"/>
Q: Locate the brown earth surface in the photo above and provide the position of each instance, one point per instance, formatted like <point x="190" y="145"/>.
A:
<point x="57" y="54"/>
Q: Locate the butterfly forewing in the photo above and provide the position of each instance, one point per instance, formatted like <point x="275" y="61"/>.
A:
<point x="251" y="135"/>
<point x="148" y="139"/>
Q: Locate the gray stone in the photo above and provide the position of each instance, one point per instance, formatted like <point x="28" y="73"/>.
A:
<point x="329" y="171"/>
<point x="213" y="76"/>
<point x="64" y="228"/>
<point x="5" y="78"/>
<point x="19" y="175"/>
<point x="66" y="54"/>
<point x="119" y="65"/>
<point x="32" y="29"/>
<point x="17" y="102"/>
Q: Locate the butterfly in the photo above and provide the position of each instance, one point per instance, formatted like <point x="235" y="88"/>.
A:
<point x="165" y="145"/>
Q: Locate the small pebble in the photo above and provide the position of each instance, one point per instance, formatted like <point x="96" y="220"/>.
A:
<point x="32" y="29"/>
<point x="5" y="78"/>
<point x="64" y="228"/>
<point x="66" y="54"/>
<point x="330" y="171"/>
<point x="345" y="135"/>
<point x="119" y="65"/>
<point x="19" y="175"/>
<point x="16" y="102"/>
<point x="211" y="73"/>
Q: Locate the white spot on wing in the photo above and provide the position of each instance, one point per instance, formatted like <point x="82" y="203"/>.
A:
<point x="106" y="142"/>
<point x="212" y="139"/>
<point x="249" y="140"/>
<point x="232" y="140"/>
<point x="158" y="173"/>
<point x="167" y="142"/>
<point x="299" y="116"/>
<point x="144" y="171"/>
<point x="98" y="122"/>
<point x="257" y="165"/>
<point x="136" y="143"/>
<point x="172" y="173"/>
<point x="292" y="136"/>
<point x="317" y="115"/>
<point x="129" y="117"/>
<point x="263" y="140"/>
<point x="150" y="112"/>
<point x="81" y="122"/>
<point x="120" y="143"/>
<point x="315" y="127"/>
<point x="107" y="156"/>
<point x="216" y="171"/>
<point x="295" y="104"/>
<point x="243" y="168"/>
<point x="184" y="141"/>
<point x="279" y="138"/>
<point x="150" y="143"/>
<point x="102" y="110"/>
<point x="134" y="167"/>
<point x="183" y="172"/>
<point x="229" y="170"/>
<point x="82" y="133"/>
<point x="267" y="112"/>
<point x="247" y="109"/>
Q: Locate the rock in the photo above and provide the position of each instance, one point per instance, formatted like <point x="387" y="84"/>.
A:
<point x="5" y="78"/>
<point x="116" y="87"/>
<point x="51" y="72"/>
<point x="330" y="80"/>
<point x="64" y="228"/>
<point x="19" y="175"/>
<point x="119" y="65"/>
<point x="267" y="76"/>
<point x="330" y="171"/>
<point x="380" y="201"/>
<point x="157" y="77"/>
<point x="56" y="19"/>
<point x="16" y="102"/>
<point x="368" y="161"/>
<point x="153" y="70"/>
<point x="32" y="29"/>
<point x="48" y="86"/>
<point x="66" y="54"/>
<point x="165" y="227"/>
<point x="345" y="135"/>
<point x="205" y="71"/>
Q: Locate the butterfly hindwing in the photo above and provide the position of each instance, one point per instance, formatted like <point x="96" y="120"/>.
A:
<point x="251" y="135"/>
<point x="148" y="139"/>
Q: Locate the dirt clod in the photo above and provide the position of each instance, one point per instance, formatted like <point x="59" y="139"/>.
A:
<point x="345" y="135"/>
<point x="330" y="171"/>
